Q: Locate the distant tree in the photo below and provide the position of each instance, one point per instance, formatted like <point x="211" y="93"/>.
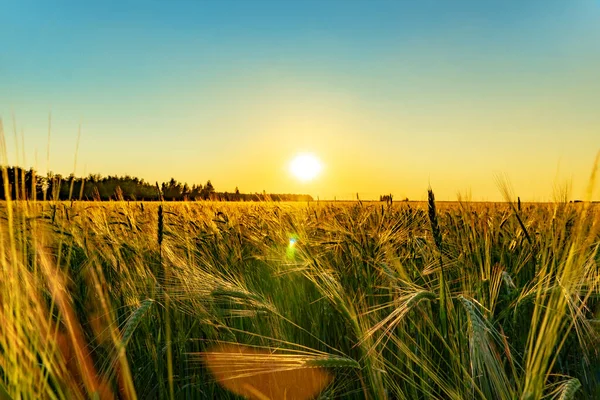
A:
<point x="388" y="198"/>
<point x="195" y="192"/>
<point x="172" y="190"/>
<point x="207" y="191"/>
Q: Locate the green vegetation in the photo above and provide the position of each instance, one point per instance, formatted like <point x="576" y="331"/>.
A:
<point x="402" y="300"/>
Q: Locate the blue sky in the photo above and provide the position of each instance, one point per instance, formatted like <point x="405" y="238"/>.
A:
<point x="391" y="95"/>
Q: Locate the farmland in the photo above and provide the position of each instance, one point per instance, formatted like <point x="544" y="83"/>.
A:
<point x="354" y="300"/>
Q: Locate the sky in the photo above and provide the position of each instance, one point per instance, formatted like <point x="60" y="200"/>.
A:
<point x="391" y="96"/>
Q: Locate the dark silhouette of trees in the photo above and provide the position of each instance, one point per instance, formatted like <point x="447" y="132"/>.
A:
<point x="388" y="198"/>
<point x="207" y="191"/>
<point x="21" y="183"/>
<point x="172" y="190"/>
<point x="26" y="184"/>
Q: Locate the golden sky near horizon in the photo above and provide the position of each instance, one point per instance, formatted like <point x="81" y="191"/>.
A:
<point x="391" y="97"/>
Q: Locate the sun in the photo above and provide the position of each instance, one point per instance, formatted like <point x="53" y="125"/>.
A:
<point x="305" y="167"/>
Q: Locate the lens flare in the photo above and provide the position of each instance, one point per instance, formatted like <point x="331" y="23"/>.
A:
<point x="290" y="252"/>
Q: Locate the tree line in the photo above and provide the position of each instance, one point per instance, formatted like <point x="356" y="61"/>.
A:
<point x="27" y="184"/>
<point x="389" y="198"/>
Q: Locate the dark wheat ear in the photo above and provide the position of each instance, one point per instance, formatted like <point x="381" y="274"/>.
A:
<point x="435" y="228"/>
<point x="437" y="238"/>
<point x="160" y="216"/>
<point x="160" y="225"/>
<point x="160" y="195"/>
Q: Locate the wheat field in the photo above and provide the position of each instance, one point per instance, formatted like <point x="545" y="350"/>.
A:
<point x="299" y="300"/>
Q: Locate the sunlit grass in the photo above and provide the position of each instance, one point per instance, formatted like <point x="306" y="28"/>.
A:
<point x="268" y="300"/>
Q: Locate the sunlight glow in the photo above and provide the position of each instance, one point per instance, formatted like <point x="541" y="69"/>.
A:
<point x="291" y="249"/>
<point x="305" y="167"/>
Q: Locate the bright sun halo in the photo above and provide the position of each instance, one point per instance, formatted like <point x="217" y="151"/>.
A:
<point x="305" y="167"/>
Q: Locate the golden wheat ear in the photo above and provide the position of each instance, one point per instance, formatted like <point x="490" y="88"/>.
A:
<point x="259" y="374"/>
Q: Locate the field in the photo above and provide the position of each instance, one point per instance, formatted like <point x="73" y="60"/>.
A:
<point x="299" y="300"/>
